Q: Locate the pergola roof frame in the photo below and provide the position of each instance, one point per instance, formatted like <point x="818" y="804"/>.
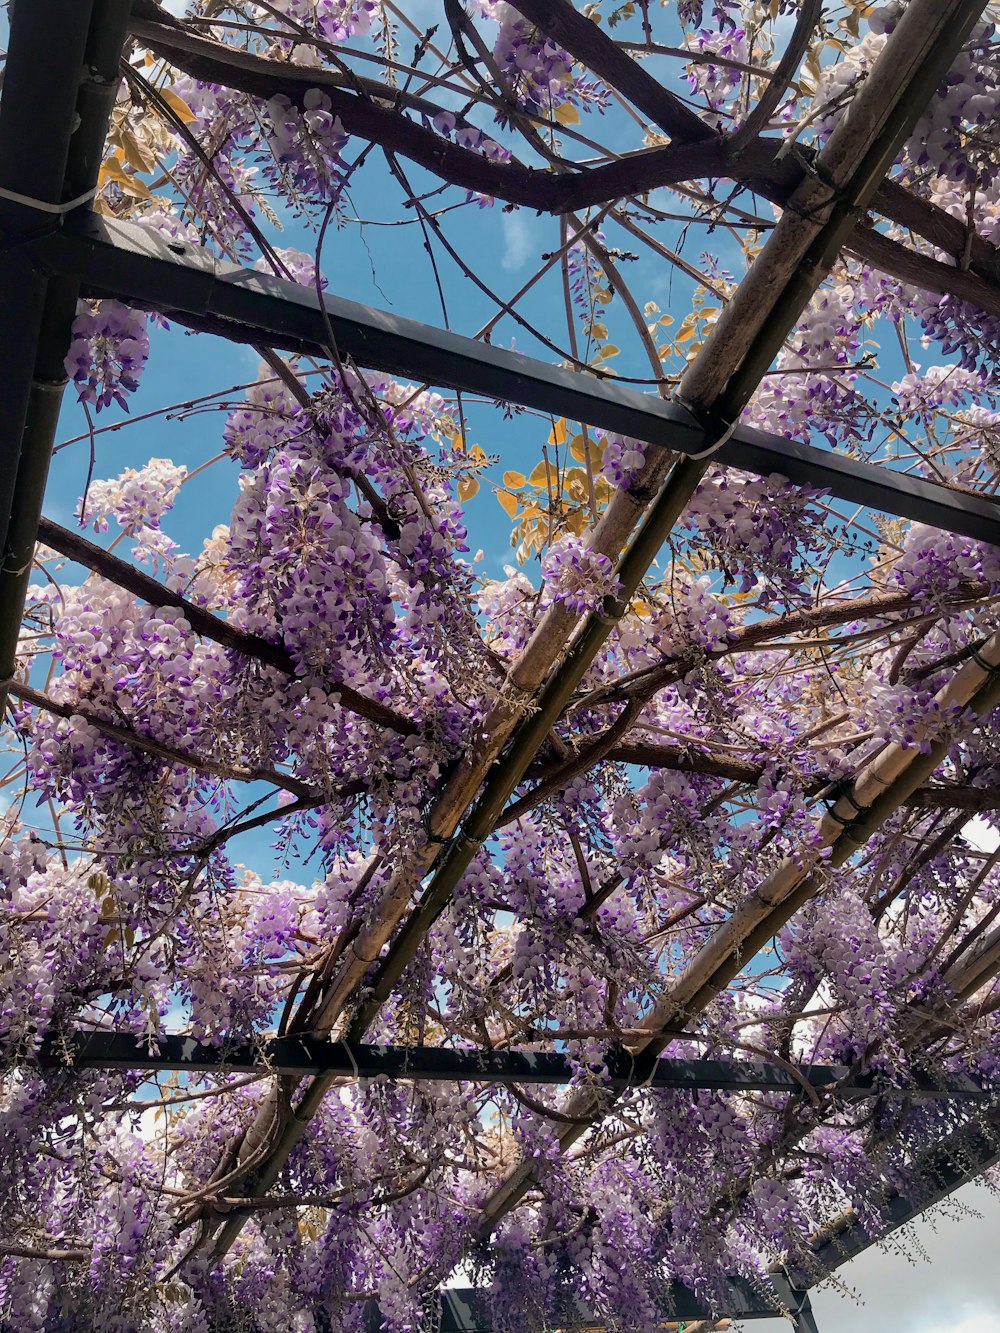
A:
<point x="132" y="263"/>
<point x="46" y="273"/>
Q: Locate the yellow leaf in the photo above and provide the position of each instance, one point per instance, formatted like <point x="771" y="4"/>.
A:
<point x="467" y="488"/>
<point x="609" y="350"/>
<point x="508" y="502"/>
<point x="558" y="433"/>
<point x="514" y="479"/>
<point x="541" y="474"/>
<point x="178" y="105"/>
<point x="477" y="451"/>
<point x="136" y="154"/>
<point x="589" y="450"/>
<point x="567" y="114"/>
<point x="112" y="169"/>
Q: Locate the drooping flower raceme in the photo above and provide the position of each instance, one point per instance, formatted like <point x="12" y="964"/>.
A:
<point x="578" y="576"/>
<point x="109" y="351"/>
<point x="136" y="499"/>
<point x="233" y="801"/>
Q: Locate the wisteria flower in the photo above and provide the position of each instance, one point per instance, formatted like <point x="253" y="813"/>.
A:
<point x="578" y="576"/>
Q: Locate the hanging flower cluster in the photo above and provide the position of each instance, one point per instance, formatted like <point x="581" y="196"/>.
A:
<point x="578" y="576"/>
<point x="109" y="350"/>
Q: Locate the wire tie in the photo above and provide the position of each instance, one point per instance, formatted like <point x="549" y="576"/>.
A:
<point x="991" y="668"/>
<point x="42" y="206"/>
<point x="844" y="791"/>
<point x="844" y="823"/>
<point x="433" y="837"/>
<point x="647" y="1082"/>
<point x="350" y="1055"/>
<point x="708" y="423"/>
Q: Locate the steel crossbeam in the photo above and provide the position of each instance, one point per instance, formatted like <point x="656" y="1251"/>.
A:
<point x="123" y="260"/>
<point x="303" y="1056"/>
<point x="944" y="1168"/>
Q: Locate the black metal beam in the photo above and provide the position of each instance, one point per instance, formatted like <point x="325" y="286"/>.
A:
<point x="51" y="147"/>
<point x="468" y="1309"/>
<point x="942" y="1169"/>
<point x="303" y="1056"/>
<point x="120" y="259"/>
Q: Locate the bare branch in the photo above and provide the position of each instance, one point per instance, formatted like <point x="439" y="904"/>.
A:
<point x="588" y="44"/>
<point x="767" y="102"/>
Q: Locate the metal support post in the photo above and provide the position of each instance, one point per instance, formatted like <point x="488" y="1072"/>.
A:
<point x="805" y="1320"/>
<point x="50" y="157"/>
<point x="36" y="126"/>
<point x="795" y="1299"/>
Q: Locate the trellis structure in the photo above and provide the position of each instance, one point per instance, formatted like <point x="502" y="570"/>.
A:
<point x="55" y="249"/>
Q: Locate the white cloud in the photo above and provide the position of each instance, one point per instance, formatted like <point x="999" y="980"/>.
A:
<point x="972" y="1321"/>
<point x="942" y="1276"/>
<point x="981" y="835"/>
<point x="517" y="240"/>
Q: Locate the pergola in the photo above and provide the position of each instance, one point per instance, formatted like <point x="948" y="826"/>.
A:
<point x="56" y="249"/>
